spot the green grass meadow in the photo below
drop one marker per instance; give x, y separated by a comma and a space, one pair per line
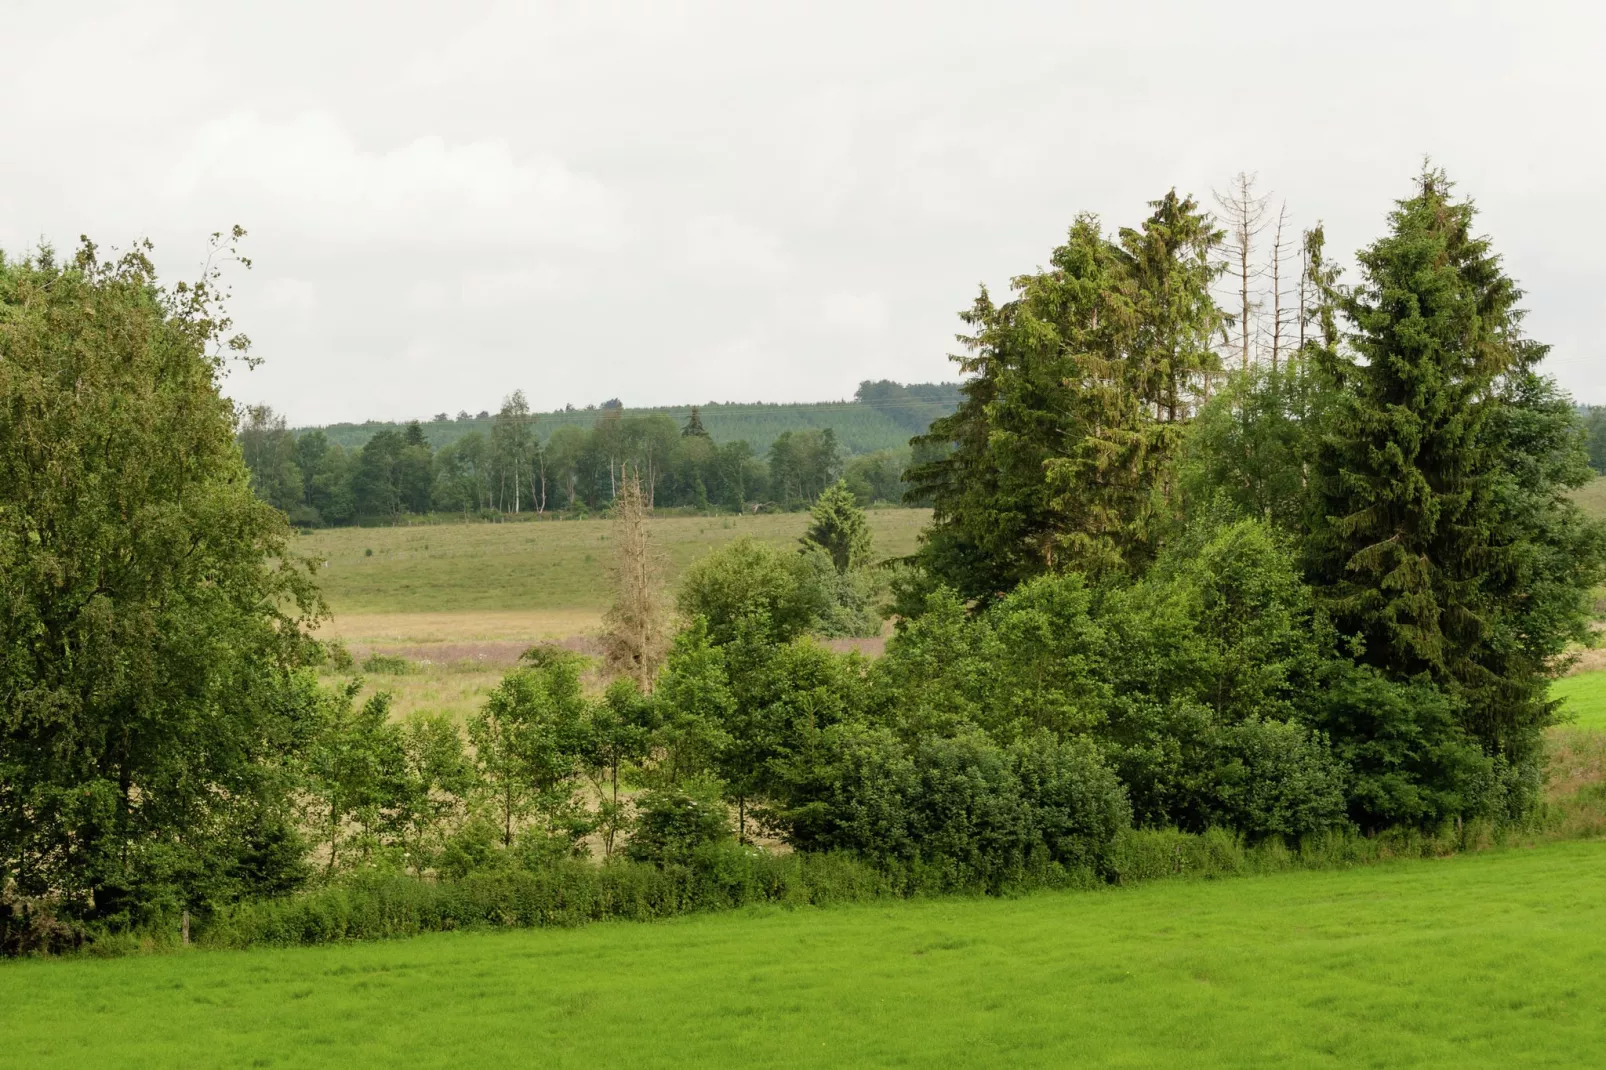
1583, 699
1491, 959
533, 565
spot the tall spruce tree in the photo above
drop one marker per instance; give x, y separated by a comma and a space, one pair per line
1443, 538
1059, 456
1139, 380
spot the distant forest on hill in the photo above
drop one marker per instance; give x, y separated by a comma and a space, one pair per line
881, 416
518, 461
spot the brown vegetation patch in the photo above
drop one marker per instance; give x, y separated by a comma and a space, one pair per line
1588, 661
872, 646
1575, 783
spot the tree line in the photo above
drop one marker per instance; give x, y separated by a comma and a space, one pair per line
1319, 594
513, 471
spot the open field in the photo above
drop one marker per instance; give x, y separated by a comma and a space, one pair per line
462, 601
436, 584
1483, 960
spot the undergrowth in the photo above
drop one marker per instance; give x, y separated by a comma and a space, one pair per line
377, 904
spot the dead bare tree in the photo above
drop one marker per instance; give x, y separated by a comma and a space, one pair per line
1244, 213
636, 627
1280, 245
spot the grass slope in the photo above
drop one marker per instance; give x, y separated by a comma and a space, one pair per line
533, 567
1483, 960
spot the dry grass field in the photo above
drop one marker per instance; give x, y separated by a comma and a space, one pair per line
1593, 497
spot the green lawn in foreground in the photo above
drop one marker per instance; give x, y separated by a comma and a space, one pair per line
548, 564
1484, 960
1583, 698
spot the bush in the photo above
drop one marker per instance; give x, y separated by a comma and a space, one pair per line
1278, 779
674, 823
1409, 761
955, 812
1080, 806
387, 664
338, 657
747, 578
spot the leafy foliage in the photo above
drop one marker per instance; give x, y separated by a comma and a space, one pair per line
154, 612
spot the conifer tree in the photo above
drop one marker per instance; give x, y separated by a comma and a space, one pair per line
840, 528
1061, 452
1443, 536
992, 519
1141, 377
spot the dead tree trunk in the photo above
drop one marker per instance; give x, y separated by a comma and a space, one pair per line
1245, 215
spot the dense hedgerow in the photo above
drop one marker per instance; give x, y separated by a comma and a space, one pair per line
376, 905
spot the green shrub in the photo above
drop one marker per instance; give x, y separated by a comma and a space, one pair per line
676, 822
1276, 778
959, 812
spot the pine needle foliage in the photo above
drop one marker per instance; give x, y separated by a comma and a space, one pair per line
1077, 395
839, 527
1443, 536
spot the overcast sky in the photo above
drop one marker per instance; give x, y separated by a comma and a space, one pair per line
675, 202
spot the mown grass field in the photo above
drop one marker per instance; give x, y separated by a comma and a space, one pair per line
1592, 497
1480, 960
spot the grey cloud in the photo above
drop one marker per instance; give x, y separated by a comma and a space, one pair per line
683, 201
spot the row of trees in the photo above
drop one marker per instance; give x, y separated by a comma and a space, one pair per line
1408, 454
1595, 430
513, 471
881, 415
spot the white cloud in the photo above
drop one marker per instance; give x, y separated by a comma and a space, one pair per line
298, 296
309, 172
724, 251
856, 313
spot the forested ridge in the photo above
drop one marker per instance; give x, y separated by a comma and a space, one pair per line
881, 415
1215, 572
718, 457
